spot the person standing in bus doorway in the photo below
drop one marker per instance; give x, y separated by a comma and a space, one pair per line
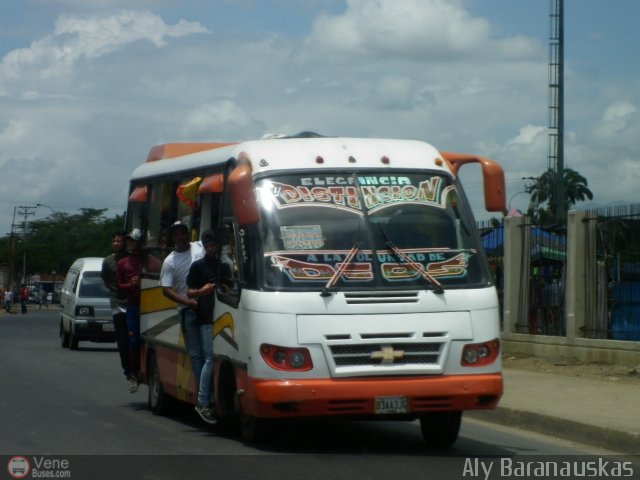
128, 281
117, 298
173, 280
24, 297
201, 285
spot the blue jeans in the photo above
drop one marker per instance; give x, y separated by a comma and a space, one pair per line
122, 340
133, 327
133, 331
198, 341
204, 391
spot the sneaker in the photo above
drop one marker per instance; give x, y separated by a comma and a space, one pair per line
206, 414
133, 385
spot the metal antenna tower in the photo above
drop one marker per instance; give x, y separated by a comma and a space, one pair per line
556, 105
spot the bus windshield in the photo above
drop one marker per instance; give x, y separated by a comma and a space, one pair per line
368, 230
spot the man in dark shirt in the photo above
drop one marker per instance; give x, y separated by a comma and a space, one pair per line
201, 284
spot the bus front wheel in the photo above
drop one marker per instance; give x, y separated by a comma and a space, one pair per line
440, 429
253, 429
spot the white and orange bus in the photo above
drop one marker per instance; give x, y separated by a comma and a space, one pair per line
360, 288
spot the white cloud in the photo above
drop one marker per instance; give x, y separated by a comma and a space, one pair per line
618, 118
14, 133
417, 29
411, 28
222, 119
528, 135
76, 38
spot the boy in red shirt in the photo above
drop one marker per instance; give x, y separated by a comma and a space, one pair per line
128, 281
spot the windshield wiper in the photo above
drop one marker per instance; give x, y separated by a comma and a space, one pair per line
412, 263
326, 291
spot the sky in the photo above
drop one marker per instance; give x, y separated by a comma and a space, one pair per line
87, 87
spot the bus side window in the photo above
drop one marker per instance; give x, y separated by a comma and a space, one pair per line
228, 249
159, 214
152, 259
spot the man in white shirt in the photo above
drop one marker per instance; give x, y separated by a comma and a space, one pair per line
173, 280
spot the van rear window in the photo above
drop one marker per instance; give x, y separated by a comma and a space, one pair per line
92, 286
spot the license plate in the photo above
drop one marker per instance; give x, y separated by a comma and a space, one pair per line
108, 327
391, 405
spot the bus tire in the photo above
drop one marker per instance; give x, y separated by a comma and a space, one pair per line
64, 336
226, 401
73, 340
159, 402
440, 429
253, 429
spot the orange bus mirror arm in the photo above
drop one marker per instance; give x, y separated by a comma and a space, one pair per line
492, 176
242, 194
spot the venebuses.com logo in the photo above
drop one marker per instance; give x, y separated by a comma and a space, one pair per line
18, 467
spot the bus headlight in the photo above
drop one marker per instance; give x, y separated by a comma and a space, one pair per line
480, 354
296, 359
286, 358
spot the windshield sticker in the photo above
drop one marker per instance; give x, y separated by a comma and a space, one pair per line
306, 237
454, 267
300, 271
377, 192
321, 266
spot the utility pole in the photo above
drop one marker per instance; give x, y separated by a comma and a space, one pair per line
12, 252
556, 107
25, 212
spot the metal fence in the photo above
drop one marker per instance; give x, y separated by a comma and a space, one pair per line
547, 278
492, 233
543, 291
614, 234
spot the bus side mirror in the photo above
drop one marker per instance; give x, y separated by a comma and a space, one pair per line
242, 194
492, 176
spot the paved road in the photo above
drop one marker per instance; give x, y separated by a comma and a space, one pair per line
61, 404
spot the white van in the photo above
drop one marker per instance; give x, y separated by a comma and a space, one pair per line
85, 311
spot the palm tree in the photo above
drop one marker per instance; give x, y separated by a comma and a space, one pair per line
576, 189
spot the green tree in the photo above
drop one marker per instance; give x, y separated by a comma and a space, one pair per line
54, 243
543, 193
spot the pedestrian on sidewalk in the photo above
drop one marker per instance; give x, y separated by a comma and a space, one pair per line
24, 297
43, 297
8, 299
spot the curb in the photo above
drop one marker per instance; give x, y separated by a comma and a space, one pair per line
616, 440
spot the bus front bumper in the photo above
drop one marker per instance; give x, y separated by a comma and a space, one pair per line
364, 396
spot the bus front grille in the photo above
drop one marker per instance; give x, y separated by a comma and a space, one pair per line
366, 354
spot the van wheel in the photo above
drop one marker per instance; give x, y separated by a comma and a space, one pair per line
73, 340
64, 336
440, 429
159, 402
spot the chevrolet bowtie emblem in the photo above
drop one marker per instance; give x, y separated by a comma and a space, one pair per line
387, 355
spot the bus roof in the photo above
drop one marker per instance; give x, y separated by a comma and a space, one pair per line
295, 154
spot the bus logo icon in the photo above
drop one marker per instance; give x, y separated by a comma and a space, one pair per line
18, 467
